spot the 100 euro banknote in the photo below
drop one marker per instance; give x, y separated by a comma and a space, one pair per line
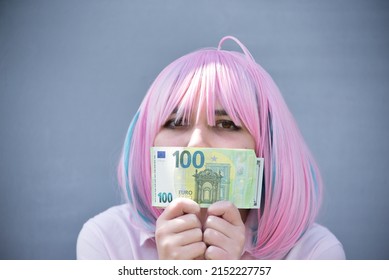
206, 175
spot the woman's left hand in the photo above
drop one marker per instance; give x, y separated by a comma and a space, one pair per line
224, 232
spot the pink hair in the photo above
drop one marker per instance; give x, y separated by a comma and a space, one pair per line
292, 184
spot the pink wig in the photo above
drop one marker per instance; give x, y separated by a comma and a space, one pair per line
292, 186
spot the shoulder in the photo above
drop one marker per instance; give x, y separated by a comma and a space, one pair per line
114, 216
317, 243
110, 235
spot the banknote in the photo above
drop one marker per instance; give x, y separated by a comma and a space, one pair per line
206, 175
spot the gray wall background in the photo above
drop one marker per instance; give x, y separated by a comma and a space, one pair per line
72, 74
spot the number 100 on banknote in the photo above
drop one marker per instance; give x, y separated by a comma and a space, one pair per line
206, 175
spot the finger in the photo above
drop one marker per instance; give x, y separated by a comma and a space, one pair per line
188, 252
184, 222
224, 235
189, 236
233, 245
213, 237
169, 245
219, 224
216, 253
179, 207
177, 225
193, 251
171, 241
227, 211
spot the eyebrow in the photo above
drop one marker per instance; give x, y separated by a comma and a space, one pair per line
220, 113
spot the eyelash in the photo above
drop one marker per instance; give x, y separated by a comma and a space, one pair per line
174, 123
231, 125
178, 123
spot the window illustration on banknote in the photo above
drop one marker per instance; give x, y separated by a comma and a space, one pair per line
212, 184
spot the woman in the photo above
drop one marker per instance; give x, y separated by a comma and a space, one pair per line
219, 99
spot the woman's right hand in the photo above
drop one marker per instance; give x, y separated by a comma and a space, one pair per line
179, 232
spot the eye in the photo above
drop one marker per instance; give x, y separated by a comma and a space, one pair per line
174, 123
227, 124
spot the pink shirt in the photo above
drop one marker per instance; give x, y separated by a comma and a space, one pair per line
110, 235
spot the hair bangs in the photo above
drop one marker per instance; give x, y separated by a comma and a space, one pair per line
211, 79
